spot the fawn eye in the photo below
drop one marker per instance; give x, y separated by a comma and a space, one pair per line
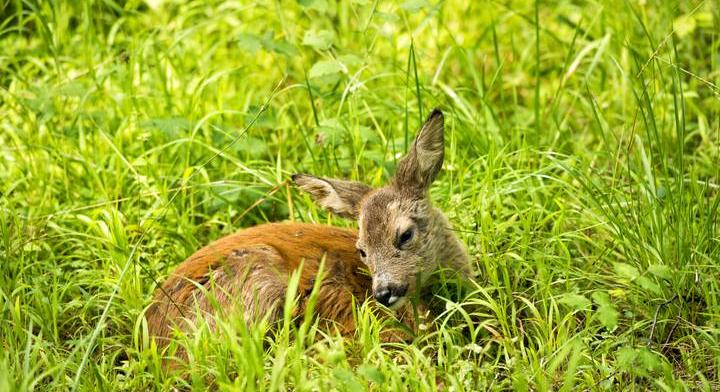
362, 253
405, 237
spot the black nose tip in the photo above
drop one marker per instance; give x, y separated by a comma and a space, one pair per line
383, 296
390, 294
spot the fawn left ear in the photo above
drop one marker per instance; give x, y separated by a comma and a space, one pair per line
419, 168
339, 196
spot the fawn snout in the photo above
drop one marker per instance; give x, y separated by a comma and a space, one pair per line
389, 293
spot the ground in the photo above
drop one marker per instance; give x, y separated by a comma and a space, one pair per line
582, 171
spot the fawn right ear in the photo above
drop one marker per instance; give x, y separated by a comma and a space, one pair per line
418, 169
339, 196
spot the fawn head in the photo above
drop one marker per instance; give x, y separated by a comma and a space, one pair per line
402, 238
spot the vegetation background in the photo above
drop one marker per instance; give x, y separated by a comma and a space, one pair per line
582, 171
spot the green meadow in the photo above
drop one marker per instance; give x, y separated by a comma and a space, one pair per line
582, 171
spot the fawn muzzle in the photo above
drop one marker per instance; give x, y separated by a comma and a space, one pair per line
390, 294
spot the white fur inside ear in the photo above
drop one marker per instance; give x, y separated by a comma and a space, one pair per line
323, 193
333, 202
428, 158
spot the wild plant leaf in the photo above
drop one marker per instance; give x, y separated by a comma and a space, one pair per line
281, 46
625, 358
371, 373
318, 5
350, 60
386, 17
375, 156
617, 293
606, 312
648, 284
348, 380
626, 270
249, 42
267, 118
320, 40
170, 126
684, 25
330, 131
75, 88
576, 301
601, 298
253, 146
608, 316
649, 360
704, 19
325, 68
641, 361
414, 5
368, 135
661, 271
42, 103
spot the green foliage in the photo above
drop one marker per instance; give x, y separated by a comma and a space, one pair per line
581, 170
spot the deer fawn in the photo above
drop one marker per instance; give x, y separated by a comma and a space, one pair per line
402, 240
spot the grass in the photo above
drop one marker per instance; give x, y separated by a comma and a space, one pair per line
581, 170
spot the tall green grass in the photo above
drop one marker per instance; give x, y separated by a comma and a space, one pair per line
582, 171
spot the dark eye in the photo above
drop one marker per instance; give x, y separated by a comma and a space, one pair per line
362, 253
405, 237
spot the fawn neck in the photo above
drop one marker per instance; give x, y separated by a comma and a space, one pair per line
450, 253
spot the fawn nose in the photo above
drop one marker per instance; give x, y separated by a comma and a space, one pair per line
389, 294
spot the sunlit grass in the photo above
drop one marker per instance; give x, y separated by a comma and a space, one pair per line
581, 171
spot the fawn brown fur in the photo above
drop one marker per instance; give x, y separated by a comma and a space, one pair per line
263, 257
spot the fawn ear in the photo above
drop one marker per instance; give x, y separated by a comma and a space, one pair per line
418, 169
339, 196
